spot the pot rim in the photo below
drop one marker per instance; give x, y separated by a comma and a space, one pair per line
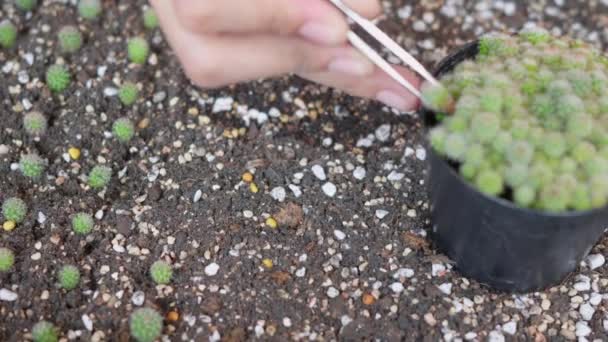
444, 66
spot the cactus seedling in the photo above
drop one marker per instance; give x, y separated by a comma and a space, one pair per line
99, 177
150, 18
530, 121
436, 97
7, 259
69, 277
128, 93
161, 272
14, 209
58, 78
82, 223
123, 130
70, 39
26, 5
35, 123
8, 34
31, 165
44, 331
146, 325
89, 9
138, 50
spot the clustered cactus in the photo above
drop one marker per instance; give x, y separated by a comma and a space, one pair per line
58, 78
69, 277
26, 5
8, 34
89, 9
138, 50
82, 223
150, 18
145, 324
161, 272
123, 129
35, 123
99, 177
14, 209
128, 93
70, 39
44, 331
32, 165
7, 259
527, 120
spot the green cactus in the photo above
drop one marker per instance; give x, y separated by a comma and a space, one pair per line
82, 223
44, 331
89, 9
490, 182
69, 277
26, 5
100, 176
150, 18
455, 146
436, 97
58, 78
35, 123
485, 127
8, 34
7, 259
32, 166
524, 195
437, 137
138, 50
517, 174
554, 197
583, 151
128, 93
146, 325
70, 39
14, 209
161, 272
554, 144
123, 130
520, 152
535, 35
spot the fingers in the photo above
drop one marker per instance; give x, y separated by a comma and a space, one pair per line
377, 86
315, 20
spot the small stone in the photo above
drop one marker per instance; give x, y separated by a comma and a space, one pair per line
339, 235
380, 213
582, 286
41, 217
278, 193
88, 324
395, 176
496, 336
430, 319
197, 196
7, 295
319, 172
404, 273
446, 288
297, 192
287, 322
421, 153
437, 269
509, 328
582, 329
3, 149
222, 104
586, 311
138, 298
359, 173
329, 189
74, 153
332, 292
212, 269
595, 261
383, 133
396, 287
9, 225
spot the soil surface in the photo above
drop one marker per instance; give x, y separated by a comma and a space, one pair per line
343, 177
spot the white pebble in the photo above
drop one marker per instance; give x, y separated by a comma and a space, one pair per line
88, 324
395, 176
138, 298
595, 260
339, 235
496, 336
383, 132
510, 328
223, 104
296, 190
332, 292
582, 329
197, 196
582, 286
396, 287
41, 217
329, 189
118, 248
287, 322
212, 269
380, 213
421, 154
586, 311
7, 295
301, 272
278, 193
3, 149
446, 288
404, 273
99, 214
319, 172
248, 213
359, 173
437, 269
366, 142
110, 91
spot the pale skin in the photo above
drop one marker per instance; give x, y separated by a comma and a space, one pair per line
221, 42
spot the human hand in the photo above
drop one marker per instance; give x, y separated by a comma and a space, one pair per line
220, 42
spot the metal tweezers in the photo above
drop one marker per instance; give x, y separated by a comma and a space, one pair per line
389, 44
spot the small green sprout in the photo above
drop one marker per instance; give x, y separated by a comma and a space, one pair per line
8, 34
89, 9
7, 259
128, 93
44, 331
58, 78
535, 35
138, 50
69, 277
26, 5
100, 176
123, 130
436, 97
14, 209
82, 223
32, 166
150, 18
161, 272
35, 123
70, 39
146, 325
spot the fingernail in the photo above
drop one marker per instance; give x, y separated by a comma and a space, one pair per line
351, 65
392, 99
321, 33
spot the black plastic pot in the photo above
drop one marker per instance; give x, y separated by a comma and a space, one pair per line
493, 241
